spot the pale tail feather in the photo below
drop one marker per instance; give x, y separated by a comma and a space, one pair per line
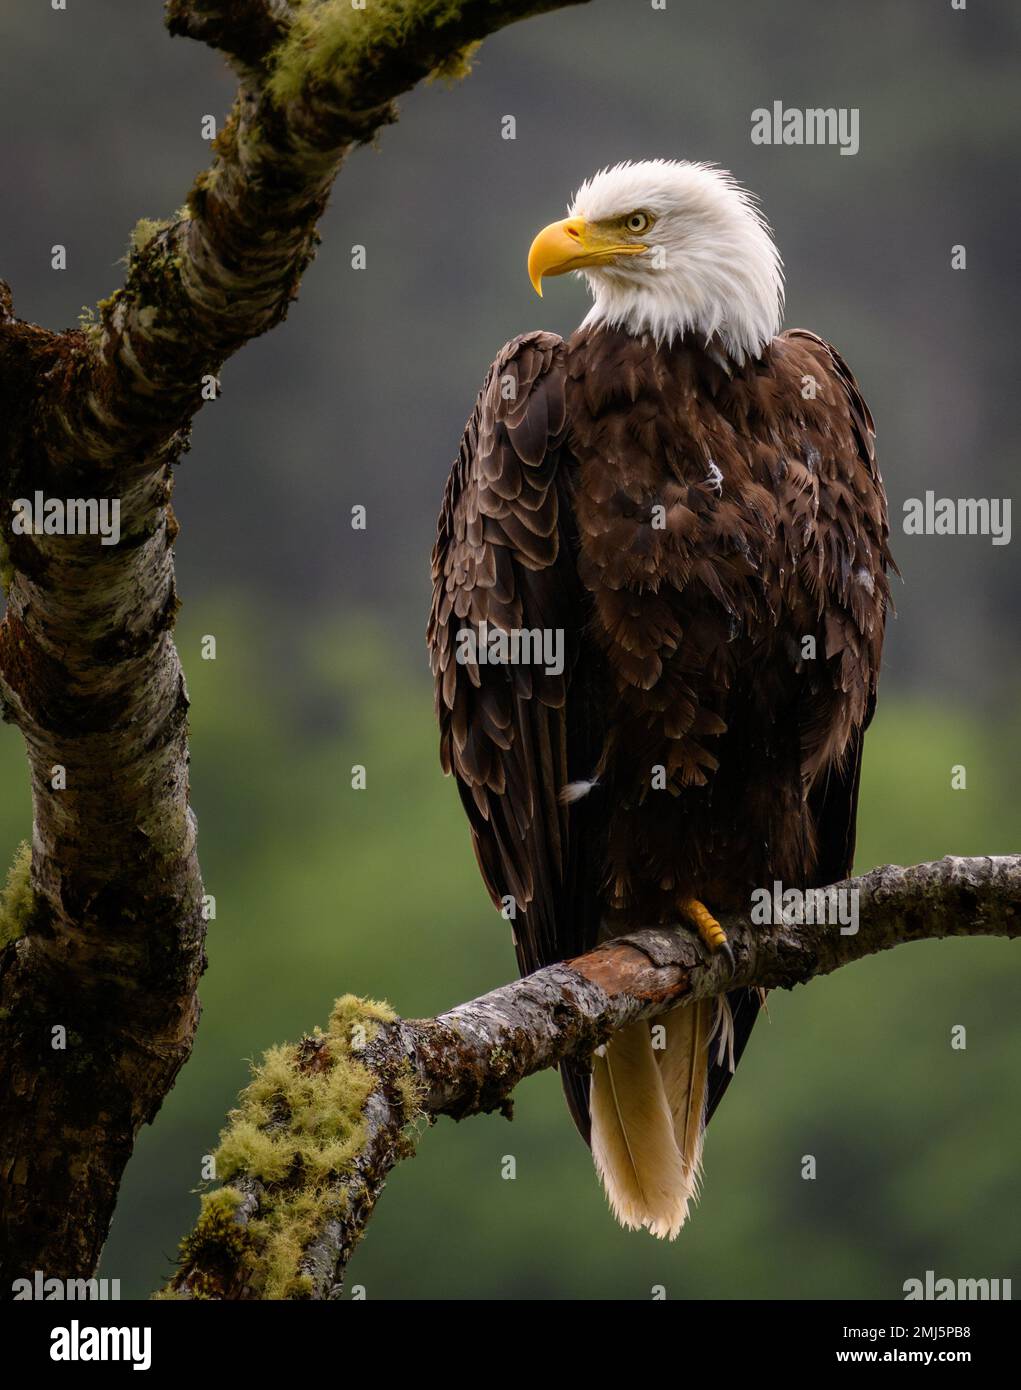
684, 1067
648, 1109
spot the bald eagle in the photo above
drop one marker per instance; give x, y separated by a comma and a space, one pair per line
690, 499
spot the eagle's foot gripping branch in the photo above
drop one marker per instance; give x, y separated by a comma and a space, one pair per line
709, 930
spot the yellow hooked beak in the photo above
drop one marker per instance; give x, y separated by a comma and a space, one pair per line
572, 244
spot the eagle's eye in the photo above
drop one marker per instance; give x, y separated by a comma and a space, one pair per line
638, 222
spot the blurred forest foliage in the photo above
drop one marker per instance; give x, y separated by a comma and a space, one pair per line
360, 398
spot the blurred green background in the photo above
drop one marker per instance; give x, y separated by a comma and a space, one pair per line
360, 398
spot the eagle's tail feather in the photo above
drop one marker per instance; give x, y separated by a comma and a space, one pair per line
648, 1117
684, 1067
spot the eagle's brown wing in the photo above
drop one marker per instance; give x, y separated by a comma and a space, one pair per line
835, 555
847, 576
504, 555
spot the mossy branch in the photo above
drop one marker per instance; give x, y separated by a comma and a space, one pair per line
104, 935
317, 78
17, 899
323, 1123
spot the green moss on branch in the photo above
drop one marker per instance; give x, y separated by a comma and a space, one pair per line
17, 901
297, 1132
330, 39
458, 66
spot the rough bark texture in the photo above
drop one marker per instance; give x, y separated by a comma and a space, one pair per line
108, 943
469, 1060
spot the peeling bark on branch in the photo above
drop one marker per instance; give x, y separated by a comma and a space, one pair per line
111, 951
468, 1061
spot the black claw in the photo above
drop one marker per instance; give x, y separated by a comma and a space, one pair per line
725, 950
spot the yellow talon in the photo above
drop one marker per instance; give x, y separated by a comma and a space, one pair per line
704, 922
707, 926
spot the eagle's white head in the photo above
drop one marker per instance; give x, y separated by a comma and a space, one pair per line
669, 247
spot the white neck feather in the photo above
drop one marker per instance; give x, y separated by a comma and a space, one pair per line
712, 269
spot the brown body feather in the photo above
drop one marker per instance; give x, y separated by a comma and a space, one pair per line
688, 524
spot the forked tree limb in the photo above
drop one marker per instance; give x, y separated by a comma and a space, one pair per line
100, 963
316, 80
469, 1060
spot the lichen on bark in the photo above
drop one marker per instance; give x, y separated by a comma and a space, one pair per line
330, 38
291, 1145
17, 899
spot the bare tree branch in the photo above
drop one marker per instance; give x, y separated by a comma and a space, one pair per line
101, 940
288, 1222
